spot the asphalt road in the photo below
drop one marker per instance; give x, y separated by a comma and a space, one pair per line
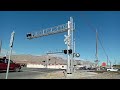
28, 73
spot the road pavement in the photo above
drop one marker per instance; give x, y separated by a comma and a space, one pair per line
28, 73
44, 73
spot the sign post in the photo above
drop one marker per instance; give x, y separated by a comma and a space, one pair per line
11, 45
0, 46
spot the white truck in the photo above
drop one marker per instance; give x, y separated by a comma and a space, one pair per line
112, 69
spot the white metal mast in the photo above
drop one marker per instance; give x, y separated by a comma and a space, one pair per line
72, 42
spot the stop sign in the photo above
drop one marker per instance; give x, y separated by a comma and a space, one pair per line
103, 64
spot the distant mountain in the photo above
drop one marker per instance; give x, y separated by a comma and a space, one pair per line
43, 59
37, 59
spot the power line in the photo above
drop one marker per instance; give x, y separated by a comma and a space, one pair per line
94, 29
88, 23
102, 46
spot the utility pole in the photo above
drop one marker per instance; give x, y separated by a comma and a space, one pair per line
96, 48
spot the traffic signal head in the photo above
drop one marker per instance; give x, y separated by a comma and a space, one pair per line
65, 51
28, 35
70, 51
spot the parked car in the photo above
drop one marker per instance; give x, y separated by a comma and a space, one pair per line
13, 66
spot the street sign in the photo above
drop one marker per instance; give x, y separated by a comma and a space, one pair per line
11, 45
12, 39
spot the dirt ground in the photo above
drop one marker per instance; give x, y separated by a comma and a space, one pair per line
81, 75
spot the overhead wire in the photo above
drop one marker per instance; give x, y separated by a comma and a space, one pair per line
94, 29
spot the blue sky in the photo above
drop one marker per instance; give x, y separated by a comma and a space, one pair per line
106, 22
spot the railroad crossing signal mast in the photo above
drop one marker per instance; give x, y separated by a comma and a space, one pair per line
68, 27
